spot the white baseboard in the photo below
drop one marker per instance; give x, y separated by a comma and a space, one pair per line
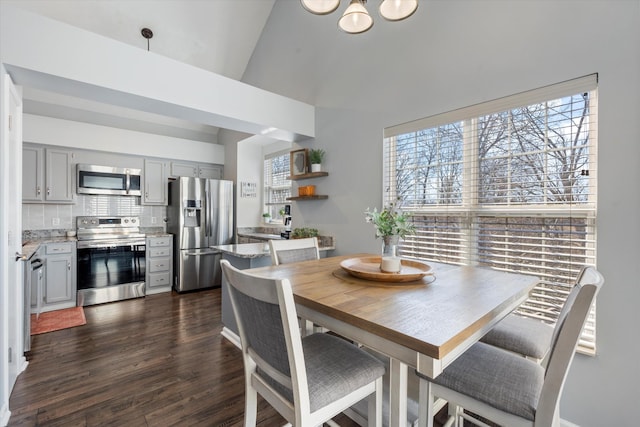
565, 423
5, 414
231, 336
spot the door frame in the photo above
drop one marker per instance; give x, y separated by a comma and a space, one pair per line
12, 360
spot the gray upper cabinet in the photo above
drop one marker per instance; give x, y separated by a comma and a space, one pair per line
32, 174
180, 169
58, 176
49, 179
155, 183
210, 171
196, 170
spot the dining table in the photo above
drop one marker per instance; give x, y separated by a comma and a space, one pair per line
423, 324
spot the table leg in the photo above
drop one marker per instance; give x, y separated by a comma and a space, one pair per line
398, 393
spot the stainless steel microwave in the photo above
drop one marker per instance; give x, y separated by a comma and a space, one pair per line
94, 179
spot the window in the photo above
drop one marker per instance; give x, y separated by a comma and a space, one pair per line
509, 184
277, 186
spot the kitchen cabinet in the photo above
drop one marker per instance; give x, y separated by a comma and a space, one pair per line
32, 169
155, 183
196, 170
159, 269
46, 175
210, 171
60, 276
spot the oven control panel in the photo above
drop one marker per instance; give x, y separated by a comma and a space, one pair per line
93, 222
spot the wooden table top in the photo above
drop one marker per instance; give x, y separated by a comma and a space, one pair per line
430, 318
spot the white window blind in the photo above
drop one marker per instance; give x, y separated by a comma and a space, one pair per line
509, 184
277, 186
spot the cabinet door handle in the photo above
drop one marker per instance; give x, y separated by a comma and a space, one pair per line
38, 190
48, 191
68, 266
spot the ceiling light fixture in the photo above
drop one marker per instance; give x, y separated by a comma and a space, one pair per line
356, 19
320, 7
147, 34
397, 10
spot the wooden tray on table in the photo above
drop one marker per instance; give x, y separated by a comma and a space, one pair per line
368, 268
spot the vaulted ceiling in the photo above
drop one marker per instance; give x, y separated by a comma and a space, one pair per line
216, 35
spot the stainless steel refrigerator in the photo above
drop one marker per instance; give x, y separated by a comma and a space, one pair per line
200, 215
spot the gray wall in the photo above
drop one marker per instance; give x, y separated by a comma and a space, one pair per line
452, 54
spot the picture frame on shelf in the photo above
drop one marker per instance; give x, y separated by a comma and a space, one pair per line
299, 162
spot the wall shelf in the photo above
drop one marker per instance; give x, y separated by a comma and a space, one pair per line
315, 197
308, 175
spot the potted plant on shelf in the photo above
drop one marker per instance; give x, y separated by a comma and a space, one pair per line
266, 217
316, 155
392, 225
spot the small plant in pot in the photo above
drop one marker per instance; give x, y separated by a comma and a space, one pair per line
316, 155
266, 216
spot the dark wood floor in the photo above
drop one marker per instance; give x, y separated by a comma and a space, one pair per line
154, 361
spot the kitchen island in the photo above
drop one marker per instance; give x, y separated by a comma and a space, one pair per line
244, 256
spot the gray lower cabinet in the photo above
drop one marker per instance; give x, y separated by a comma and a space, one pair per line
60, 276
159, 264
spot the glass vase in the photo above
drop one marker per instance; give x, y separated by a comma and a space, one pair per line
390, 261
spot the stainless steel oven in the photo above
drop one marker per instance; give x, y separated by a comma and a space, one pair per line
111, 259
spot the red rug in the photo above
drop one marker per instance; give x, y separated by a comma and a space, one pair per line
56, 320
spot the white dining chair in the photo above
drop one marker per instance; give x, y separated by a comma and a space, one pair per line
506, 388
293, 250
287, 251
307, 380
526, 336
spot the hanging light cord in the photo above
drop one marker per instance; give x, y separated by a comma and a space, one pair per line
147, 34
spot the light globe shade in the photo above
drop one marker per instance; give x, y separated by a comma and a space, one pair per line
397, 10
320, 7
356, 19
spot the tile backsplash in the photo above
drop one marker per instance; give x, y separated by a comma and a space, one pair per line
37, 216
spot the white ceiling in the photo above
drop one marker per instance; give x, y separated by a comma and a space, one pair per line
216, 35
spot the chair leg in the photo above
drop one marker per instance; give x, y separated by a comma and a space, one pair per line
374, 415
425, 404
250, 406
454, 414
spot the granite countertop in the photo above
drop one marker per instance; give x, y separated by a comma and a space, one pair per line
158, 234
245, 250
29, 247
253, 250
263, 236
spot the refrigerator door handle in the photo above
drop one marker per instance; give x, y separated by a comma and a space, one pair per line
208, 209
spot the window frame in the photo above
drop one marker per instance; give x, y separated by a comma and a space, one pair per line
274, 208
470, 212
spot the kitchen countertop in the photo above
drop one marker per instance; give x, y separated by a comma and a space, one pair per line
158, 234
252, 250
263, 236
245, 250
29, 247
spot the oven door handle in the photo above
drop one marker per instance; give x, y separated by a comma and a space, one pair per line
101, 245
